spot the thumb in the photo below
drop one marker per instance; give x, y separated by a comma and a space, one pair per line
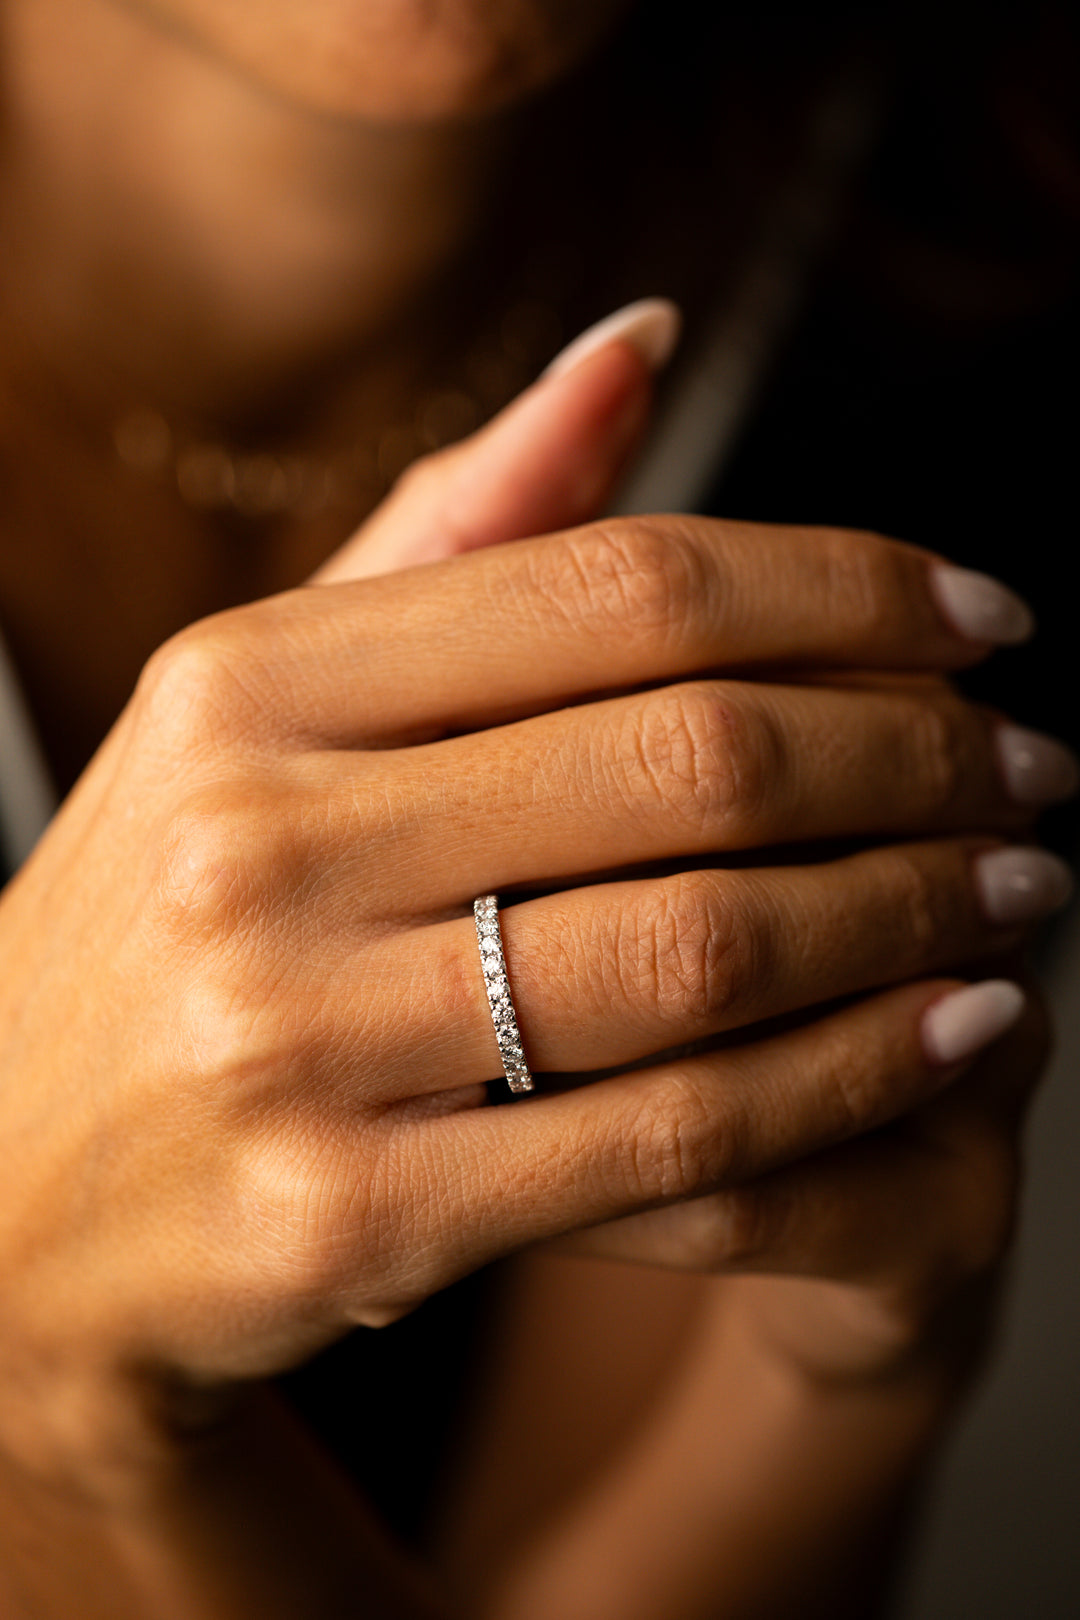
548, 461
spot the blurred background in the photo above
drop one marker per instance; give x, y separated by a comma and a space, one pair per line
900, 352
928, 389
1001, 1530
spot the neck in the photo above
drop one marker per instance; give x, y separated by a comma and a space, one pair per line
185, 238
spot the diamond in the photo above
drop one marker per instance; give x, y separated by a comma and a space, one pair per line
497, 986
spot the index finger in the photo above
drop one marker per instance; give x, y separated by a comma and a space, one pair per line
533, 625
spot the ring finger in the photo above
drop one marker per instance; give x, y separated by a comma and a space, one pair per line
615, 973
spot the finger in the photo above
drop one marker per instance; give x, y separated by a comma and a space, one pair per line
514, 629
551, 1164
910, 1208
549, 461
607, 976
1002, 1084
682, 771
876, 1212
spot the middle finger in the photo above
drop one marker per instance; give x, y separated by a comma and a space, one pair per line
703, 767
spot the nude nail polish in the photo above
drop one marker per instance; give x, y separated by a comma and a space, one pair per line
979, 607
1021, 885
651, 326
1037, 769
963, 1022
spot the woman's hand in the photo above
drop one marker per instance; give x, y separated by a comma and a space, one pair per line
863, 1262
894, 1228
244, 1026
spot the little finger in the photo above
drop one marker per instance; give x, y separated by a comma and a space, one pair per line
911, 1208
551, 1164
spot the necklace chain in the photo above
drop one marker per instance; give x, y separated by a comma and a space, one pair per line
260, 483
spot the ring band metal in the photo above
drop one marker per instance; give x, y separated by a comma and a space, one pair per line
503, 1016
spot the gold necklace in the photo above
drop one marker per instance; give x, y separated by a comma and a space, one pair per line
261, 483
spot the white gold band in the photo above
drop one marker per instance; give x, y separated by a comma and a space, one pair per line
489, 938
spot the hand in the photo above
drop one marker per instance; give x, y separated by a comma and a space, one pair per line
876, 1257
243, 1021
826, 1269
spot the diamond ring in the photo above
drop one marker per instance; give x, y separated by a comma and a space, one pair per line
489, 938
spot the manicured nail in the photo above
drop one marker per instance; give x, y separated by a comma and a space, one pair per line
1020, 885
651, 326
980, 608
1037, 769
965, 1021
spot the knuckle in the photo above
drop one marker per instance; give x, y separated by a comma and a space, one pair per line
196, 688
229, 1033
721, 1231
744, 1223
922, 903
864, 578
938, 741
205, 867
375, 1314
698, 957
692, 754
221, 858
631, 576
741, 755
328, 1223
279, 1197
678, 1146
854, 1083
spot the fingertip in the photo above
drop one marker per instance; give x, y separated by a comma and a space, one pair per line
979, 607
1037, 770
1017, 885
651, 326
963, 1022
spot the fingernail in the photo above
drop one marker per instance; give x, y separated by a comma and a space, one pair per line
1037, 769
967, 1020
1019, 885
651, 326
980, 608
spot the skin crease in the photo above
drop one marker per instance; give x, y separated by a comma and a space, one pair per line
217, 1202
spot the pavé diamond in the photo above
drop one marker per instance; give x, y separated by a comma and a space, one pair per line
497, 985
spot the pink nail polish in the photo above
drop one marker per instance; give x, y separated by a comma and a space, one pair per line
963, 1022
1021, 885
651, 326
980, 607
1037, 769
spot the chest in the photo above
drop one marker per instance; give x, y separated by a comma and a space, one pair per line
99, 566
